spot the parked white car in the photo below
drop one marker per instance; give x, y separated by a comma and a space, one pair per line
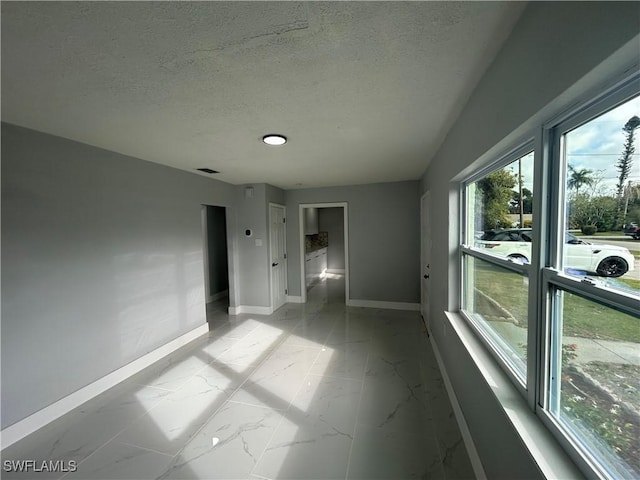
603, 260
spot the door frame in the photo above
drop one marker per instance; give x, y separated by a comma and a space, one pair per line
205, 252
286, 280
345, 217
424, 267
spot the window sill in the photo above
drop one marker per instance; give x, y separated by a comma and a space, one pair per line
544, 449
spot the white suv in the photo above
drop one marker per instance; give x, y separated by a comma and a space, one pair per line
604, 260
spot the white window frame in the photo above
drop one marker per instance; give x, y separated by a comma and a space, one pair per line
544, 270
523, 269
552, 276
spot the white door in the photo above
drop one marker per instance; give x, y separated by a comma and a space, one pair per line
425, 257
277, 256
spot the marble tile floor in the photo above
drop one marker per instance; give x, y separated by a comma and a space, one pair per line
314, 391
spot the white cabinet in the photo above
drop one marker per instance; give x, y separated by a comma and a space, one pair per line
315, 265
322, 260
310, 221
308, 267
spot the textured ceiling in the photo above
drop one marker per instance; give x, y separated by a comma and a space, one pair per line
365, 91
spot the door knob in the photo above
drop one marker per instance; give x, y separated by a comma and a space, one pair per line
426, 276
274, 264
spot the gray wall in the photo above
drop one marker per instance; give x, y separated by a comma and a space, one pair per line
384, 253
274, 195
253, 260
552, 58
331, 220
252, 263
217, 250
101, 263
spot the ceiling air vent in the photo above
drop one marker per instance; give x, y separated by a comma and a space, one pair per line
207, 170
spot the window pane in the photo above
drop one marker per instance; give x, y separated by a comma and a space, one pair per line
500, 210
496, 299
603, 199
595, 386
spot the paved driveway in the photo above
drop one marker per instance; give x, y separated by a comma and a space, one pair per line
626, 242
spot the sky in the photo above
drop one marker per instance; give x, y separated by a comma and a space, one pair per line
527, 171
596, 146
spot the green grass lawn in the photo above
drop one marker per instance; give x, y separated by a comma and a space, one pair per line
583, 318
600, 234
631, 282
504, 291
501, 296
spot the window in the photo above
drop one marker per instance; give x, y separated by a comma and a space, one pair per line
551, 272
594, 380
594, 356
602, 172
496, 300
495, 257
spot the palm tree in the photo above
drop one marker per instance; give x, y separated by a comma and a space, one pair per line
578, 178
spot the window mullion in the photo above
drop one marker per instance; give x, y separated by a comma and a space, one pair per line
521, 268
537, 319
618, 299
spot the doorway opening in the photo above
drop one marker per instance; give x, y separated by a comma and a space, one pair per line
324, 247
216, 263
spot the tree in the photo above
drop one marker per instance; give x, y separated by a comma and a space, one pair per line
598, 211
496, 190
631, 203
527, 201
634, 214
624, 165
578, 178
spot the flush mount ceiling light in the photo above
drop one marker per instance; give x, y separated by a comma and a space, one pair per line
274, 139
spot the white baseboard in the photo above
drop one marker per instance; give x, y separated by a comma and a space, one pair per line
414, 307
250, 310
476, 464
294, 299
218, 296
21, 429
337, 271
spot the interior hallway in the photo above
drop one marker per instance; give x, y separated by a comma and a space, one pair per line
314, 391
